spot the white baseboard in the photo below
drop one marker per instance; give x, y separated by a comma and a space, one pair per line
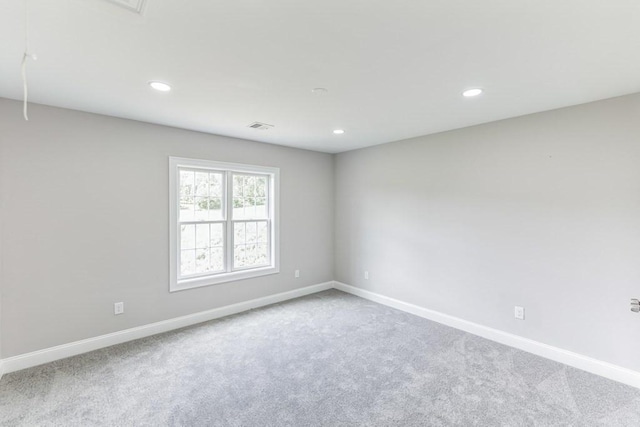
1, 368
594, 366
39, 357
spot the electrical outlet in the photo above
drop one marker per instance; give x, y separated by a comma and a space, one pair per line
519, 312
296, 273
635, 305
366, 275
118, 308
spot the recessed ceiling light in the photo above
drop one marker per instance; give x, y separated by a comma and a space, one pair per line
338, 131
319, 91
162, 87
471, 92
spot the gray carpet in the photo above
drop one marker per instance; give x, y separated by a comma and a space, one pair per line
329, 359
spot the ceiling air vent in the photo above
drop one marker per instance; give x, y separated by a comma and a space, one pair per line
260, 126
136, 6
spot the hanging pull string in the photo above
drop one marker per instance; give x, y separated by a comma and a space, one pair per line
26, 56
24, 81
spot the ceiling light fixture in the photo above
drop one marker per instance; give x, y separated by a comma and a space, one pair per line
471, 92
338, 131
162, 87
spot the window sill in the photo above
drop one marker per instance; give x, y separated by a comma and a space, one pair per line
217, 279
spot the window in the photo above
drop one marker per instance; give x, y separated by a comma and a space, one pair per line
224, 222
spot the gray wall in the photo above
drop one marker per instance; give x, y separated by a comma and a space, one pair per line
541, 211
65, 265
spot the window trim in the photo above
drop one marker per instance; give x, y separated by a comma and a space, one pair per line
176, 284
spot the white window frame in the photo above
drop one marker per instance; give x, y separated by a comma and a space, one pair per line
178, 284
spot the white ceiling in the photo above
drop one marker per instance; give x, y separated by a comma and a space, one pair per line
394, 69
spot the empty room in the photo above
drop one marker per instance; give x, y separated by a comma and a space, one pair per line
319, 213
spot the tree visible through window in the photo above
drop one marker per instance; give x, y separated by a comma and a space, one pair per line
223, 222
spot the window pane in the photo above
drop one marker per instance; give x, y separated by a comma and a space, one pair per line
203, 264
217, 259
249, 187
250, 247
238, 196
261, 208
238, 256
238, 182
208, 209
215, 185
187, 179
202, 209
261, 186
187, 262
239, 233
215, 209
202, 236
249, 209
186, 209
250, 255
238, 208
251, 232
217, 235
216, 194
187, 237
202, 184
262, 232
249, 196
186, 183
262, 254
